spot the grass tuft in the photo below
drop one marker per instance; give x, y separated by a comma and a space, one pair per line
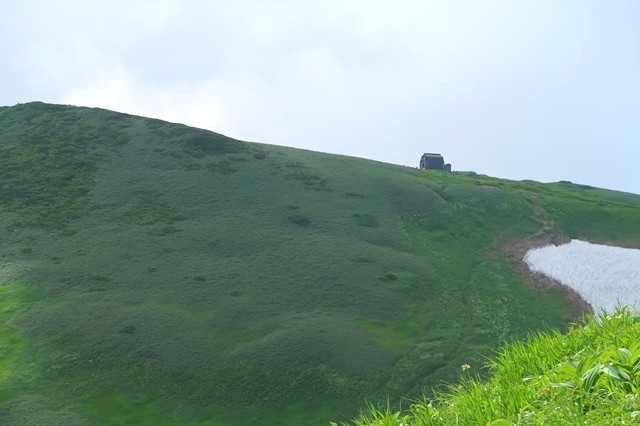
590, 375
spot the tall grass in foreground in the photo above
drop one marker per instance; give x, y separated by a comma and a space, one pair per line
590, 375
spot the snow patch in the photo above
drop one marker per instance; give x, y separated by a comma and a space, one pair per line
604, 276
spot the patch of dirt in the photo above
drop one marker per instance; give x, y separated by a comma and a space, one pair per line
578, 308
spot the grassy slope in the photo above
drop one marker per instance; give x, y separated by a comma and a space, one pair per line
590, 375
157, 273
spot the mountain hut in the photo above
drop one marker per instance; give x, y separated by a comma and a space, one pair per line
434, 162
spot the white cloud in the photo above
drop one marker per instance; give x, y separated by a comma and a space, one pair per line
197, 104
499, 87
153, 15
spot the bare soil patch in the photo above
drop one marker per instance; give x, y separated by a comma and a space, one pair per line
578, 308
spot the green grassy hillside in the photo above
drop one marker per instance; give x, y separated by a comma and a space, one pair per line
154, 273
588, 376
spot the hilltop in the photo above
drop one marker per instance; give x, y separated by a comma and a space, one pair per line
157, 273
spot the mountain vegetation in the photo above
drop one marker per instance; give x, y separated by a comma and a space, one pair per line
590, 376
153, 273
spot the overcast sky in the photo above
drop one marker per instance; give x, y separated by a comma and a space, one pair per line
521, 89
